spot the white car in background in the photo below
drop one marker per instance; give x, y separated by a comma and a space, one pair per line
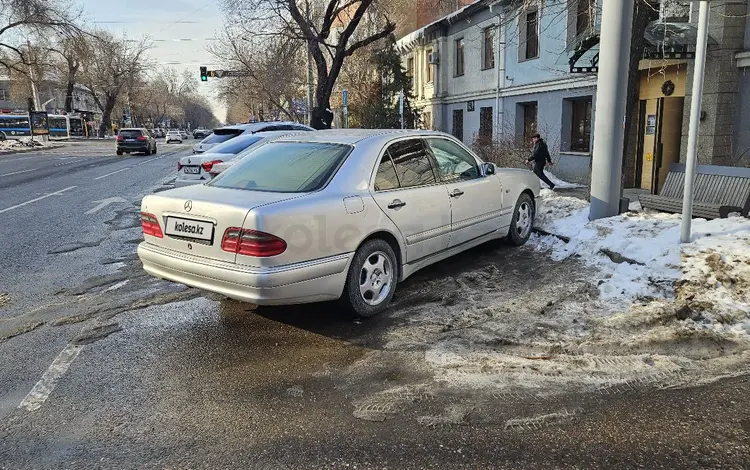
225, 133
173, 136
198, 169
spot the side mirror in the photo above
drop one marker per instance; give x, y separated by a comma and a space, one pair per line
488, 168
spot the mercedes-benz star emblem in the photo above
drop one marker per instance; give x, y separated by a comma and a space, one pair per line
188, 205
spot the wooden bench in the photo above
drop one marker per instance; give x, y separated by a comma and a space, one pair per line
719, 191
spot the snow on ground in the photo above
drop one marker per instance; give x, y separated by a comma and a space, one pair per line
559, 184
25, 143
621, 304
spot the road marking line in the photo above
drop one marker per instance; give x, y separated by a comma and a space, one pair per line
56, 193
19, 172
143, 163
42, 390
112, 173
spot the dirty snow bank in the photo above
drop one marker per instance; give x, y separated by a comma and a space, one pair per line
559, 184
620, 305
25, 143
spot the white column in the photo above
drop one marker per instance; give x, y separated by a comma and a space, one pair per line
695, 116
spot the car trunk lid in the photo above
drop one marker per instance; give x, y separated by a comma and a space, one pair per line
193, 219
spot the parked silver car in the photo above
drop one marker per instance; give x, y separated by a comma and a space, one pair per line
334, 214
198, 169
222, 134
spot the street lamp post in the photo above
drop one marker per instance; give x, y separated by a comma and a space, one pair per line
695, 115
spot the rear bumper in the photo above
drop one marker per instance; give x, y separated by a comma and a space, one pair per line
310, 281
133, 148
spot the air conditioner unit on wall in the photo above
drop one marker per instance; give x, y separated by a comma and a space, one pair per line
433, 58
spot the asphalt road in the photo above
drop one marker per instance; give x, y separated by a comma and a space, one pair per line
105, 367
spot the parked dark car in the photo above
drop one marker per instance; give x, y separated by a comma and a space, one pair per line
135, 140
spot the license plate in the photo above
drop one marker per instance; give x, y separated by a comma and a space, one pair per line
129, 140
192, 170
190, 228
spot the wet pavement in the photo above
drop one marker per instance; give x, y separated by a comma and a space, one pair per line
105, 367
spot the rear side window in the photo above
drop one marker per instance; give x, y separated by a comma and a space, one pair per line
385, 178
286, 167
130, 133
237, 145
413, 165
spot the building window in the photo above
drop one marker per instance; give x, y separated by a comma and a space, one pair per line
583, 16
580, 138
529, 119
428, 67
530, 35
410, 66
4, 94
459, 57
485, 124
427, 120
488, 49
458, 124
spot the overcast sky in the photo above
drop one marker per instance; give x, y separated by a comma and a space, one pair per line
169, 23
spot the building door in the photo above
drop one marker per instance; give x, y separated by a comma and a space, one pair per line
669, 138
660, 140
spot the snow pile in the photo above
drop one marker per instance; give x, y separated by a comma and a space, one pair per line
25, 143
620, 304
559, 184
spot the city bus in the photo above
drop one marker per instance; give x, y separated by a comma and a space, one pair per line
76, 126
59, 127
15, 126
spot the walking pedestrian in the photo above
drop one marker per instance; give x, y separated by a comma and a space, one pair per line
540, 157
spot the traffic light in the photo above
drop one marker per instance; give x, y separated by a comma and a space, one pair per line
204, 74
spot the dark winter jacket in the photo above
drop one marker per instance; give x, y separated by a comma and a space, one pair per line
540, 154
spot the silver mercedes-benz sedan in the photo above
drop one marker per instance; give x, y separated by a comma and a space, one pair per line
339, 214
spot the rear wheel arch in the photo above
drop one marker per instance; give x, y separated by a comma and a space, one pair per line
391, 239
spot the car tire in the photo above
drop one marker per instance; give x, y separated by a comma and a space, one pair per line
148, 151
522, 221
154, 149
119, 152
373, 270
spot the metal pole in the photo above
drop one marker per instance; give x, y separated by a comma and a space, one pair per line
611, 98
695, 116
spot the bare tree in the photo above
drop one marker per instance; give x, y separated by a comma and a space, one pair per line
110, 68
72, 49
21, 20
330, 29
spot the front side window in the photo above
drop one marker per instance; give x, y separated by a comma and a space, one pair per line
413, 165
286, 167
459, 57
454, 163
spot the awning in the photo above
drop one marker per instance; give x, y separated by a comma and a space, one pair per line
664, 40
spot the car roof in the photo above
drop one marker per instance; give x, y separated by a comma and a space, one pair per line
255, 126
353, 136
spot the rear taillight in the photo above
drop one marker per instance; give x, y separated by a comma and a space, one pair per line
150, 225
179, 166
252, 243
120, 138
208, 165
141, 137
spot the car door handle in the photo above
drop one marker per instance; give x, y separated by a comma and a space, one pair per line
456, 193
396, 204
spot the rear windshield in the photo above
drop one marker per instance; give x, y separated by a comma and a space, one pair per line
285, 167
236, 145
130, 133
221, 135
